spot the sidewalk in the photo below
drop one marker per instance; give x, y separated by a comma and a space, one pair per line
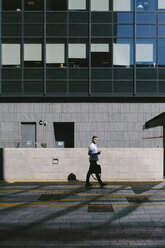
123, 214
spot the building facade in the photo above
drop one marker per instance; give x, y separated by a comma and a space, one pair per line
83, 68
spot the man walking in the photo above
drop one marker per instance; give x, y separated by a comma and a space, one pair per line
93, 158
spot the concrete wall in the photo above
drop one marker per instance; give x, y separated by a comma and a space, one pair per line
118, 125
117, 164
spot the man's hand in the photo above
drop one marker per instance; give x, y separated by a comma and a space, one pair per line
99, 152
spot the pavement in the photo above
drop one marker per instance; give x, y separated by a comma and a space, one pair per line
66, 214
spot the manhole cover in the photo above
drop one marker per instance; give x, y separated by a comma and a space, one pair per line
51, 197
137, 199
100, 208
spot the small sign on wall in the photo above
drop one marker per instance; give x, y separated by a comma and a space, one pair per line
55, 161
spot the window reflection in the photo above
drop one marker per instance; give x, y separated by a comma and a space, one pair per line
146, 52
12, 5
120, 17
123, 30
161, 52
145, 30
161, 31
146, 5
146, 17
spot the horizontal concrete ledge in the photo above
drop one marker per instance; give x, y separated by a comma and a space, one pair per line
55, 164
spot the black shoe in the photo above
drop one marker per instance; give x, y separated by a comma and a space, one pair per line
88, 185
103, 184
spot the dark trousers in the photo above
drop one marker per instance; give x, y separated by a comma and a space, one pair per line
93, 169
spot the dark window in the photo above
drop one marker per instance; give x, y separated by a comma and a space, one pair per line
101, 17
11, 17
123, 87
56, 5
11, 87
123, 73
78, 87
56, 87
64, 131
32, 5
11, 5
33, 88
100, 73
100, 87
146, 87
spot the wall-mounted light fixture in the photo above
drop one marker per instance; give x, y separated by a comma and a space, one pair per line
43, 123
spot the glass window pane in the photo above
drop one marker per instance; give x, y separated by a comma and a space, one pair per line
56, 17
161, 30
78, 30
56, 30
78, 87
55, 53
161, 87
120, 17
161, 52
77, 51
146, 30
146, 17
97, 5
146, 73
146, 52
98, 17
9, 17
77, 4
12, 5
102, 73
33, 30
123, 52
146, 87
33, 87
53, 87
122, 5
161, 17
10, 73
143, 5
123, 30
78, 17
161, 5
101, 30
11, 87
120, 73
32, 52
101, 87
31, 5
123, 87
79, 73
101, 55
56, 73
11, 30
11, 54
56, 5
33, 17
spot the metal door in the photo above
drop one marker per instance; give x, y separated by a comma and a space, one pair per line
28, 135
